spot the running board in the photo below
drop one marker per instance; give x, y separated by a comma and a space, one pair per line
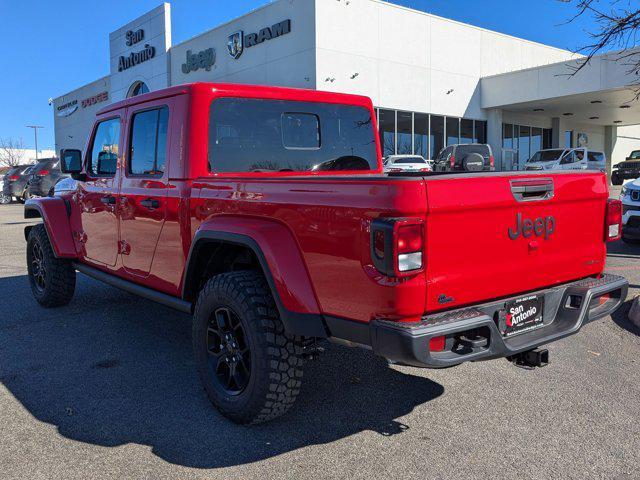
139, 290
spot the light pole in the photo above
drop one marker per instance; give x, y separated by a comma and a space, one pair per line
35, 133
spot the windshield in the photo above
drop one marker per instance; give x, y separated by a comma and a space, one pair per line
546, 156
409, 160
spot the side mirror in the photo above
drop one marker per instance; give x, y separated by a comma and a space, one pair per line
70, 161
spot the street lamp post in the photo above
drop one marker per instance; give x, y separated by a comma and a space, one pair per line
35, 133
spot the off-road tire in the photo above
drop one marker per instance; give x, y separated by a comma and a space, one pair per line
59, 278
276, 358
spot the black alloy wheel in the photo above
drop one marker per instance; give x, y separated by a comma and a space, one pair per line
229, 353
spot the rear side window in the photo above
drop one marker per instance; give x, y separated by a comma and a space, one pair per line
595, 156
103, 156
253, 135
148, 144
464, 150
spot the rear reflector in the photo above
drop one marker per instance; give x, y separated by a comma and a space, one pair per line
436, 344
492, 162
604, 299
452, 159
613, 220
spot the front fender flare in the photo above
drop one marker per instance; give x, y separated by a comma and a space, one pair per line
282, 263
55, 216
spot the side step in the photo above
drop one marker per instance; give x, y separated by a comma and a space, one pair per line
144, 292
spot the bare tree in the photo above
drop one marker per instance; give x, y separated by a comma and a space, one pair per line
618, 29
11, 152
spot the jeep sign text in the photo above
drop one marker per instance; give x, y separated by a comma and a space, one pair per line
527, 227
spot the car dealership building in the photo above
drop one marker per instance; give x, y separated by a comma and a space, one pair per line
434, 81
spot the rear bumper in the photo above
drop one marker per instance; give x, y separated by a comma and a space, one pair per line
567, 309
631, 225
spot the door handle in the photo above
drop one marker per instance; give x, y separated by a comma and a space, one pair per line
108, 200
150, 203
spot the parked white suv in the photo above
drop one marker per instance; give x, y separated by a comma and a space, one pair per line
566, 159
630, 197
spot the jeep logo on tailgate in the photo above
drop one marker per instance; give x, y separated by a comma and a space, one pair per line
527, 227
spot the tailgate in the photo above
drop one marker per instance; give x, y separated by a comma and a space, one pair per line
492, 236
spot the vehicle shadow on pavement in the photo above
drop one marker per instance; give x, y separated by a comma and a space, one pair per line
621, 318
112, 369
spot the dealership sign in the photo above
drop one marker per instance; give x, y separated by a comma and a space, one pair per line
99, 98
238, 41
195, 61
67, 109
135, 58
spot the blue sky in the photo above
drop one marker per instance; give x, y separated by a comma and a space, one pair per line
49, 48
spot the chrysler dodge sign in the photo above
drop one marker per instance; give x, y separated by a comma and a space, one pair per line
238, 41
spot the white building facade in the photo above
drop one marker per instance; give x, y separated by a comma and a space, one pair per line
434, 81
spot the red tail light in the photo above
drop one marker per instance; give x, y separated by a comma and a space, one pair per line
452, 160
395, 169
492, 162
43, 173
13, 178
436, 344
613, 221
425, 169
409, 243
409, 238
397, 246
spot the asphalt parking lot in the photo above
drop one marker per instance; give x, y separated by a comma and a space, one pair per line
107, 388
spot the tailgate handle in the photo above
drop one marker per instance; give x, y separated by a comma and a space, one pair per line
530, 190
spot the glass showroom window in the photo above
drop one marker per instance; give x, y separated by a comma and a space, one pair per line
536, 140
453, 131
405, 133
466, 131
436, 135
421, 134
480, 131
525, 140
387, 126
524, 143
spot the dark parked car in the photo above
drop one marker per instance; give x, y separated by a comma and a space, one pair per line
15, 182
468, 157
44, 177
629, 169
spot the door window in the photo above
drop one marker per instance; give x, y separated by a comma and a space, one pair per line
568, 158
148, 143
103, 156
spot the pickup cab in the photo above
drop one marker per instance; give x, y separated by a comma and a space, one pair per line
567, 159
265, 213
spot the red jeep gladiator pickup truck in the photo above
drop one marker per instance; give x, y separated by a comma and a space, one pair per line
264, 212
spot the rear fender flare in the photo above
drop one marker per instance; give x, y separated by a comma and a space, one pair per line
281, 261
54, 212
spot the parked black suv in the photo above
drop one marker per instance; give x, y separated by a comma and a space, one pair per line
629, 169
15, 182
468, 157
44, 177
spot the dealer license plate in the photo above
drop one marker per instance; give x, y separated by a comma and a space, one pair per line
522, 315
